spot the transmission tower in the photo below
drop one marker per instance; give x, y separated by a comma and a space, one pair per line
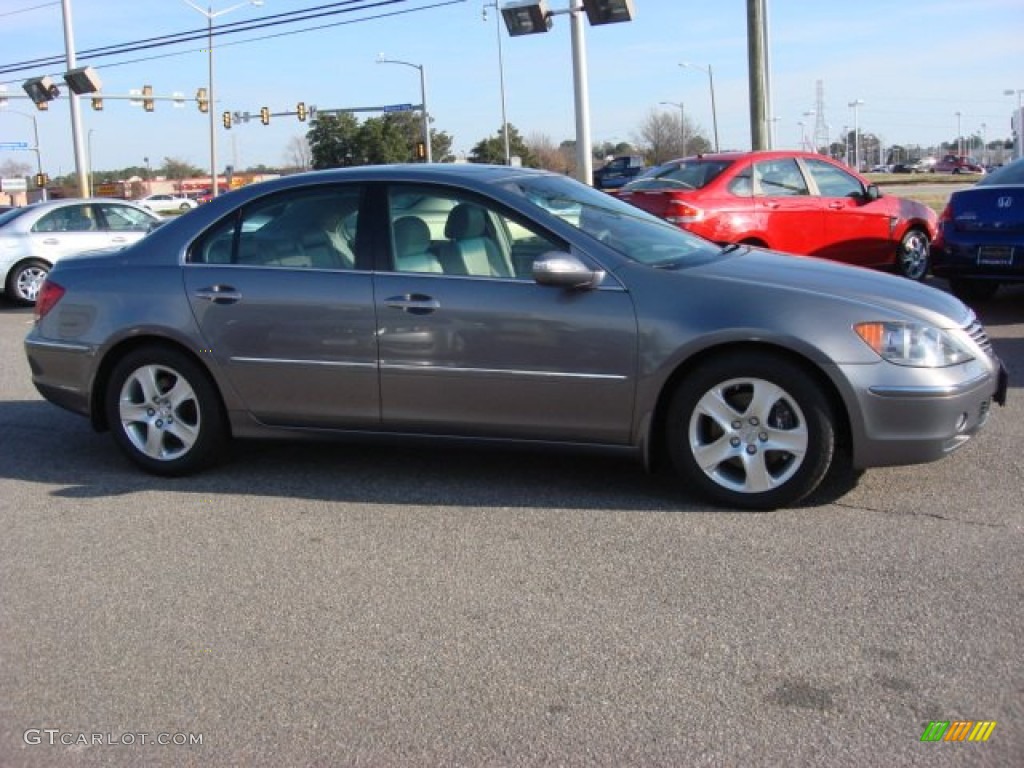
821, 137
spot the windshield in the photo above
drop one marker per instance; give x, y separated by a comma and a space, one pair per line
632, 232
692, 173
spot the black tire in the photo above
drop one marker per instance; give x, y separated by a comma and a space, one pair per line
25, 280
164, 412
913, 255
184, 207
969, 291
777, 423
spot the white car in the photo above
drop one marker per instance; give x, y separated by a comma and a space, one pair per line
33, 238
168, 203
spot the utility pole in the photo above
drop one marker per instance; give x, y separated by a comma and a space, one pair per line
756, 52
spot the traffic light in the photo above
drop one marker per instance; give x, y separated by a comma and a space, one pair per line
421, 150
42, 180
147, 98
97, 103
202, 100
227, 119
265, 115
300, 111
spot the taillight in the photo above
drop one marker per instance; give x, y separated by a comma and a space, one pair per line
49, 294
682, 212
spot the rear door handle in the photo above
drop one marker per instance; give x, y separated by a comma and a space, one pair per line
219, 294
413, 303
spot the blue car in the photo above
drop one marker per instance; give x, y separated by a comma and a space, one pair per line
980, 240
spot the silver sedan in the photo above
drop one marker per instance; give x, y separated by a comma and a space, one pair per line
34, 238
489, 303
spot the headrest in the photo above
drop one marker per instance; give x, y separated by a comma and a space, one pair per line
465, 221
412, 235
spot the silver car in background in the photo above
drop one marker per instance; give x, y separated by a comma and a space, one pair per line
35, 237
489, 303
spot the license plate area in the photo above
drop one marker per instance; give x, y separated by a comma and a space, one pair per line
995, 255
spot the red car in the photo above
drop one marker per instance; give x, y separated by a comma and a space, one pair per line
796, 202
957, 164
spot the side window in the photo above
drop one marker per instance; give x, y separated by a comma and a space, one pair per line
439, 231
308, 229
779, 178
72, 218
742, 184
121, 218
832, 181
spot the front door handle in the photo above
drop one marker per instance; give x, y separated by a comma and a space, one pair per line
219, 294
413, 303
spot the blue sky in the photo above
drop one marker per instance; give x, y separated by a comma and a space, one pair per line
915, 64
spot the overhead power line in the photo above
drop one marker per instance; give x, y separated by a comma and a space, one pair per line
275, 20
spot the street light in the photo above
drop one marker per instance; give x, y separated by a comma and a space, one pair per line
711, 84
682, 119
1018, 119
501, 80
423, 99
210, 15
88, 157
856, 104
805, 143
35, 134
529, 17
959, 141
803, 134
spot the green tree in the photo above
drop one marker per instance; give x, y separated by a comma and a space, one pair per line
492, 149
333, 140
179, 169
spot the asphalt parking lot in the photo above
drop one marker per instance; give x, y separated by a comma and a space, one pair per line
344, 605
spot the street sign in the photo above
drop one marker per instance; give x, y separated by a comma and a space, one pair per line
397, 108
13, 145
13, 185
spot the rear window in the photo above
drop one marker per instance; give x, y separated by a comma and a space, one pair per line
1008, 174
684, 174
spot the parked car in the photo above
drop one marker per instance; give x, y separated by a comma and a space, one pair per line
797, 202
543, 311
980, 241
618, 171
957, 164
35, 237
168, 203
911, 166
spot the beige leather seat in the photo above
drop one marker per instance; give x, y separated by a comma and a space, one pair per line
412, 246
469, 250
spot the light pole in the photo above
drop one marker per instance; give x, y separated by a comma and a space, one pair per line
803, 134
88, 153
806, 143
210, 15
856, 104
501, 80
711, 85
959, 141
35, 135
682, 120
1018, 120
423, 99
984, 146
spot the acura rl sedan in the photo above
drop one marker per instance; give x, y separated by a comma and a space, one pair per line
500, 304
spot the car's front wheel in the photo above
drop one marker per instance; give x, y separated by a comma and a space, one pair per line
185, 207
751, 431
913, 258
164, 412
25, 280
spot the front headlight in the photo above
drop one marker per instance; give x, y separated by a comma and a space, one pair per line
913, 344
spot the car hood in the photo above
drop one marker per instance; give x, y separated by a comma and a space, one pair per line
806, 274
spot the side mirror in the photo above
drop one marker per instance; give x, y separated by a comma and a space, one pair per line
565, 270
872, 193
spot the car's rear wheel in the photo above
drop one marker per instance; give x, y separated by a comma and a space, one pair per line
184, 207
25, 280
968, 290
913, 258
751, 431
164, 412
